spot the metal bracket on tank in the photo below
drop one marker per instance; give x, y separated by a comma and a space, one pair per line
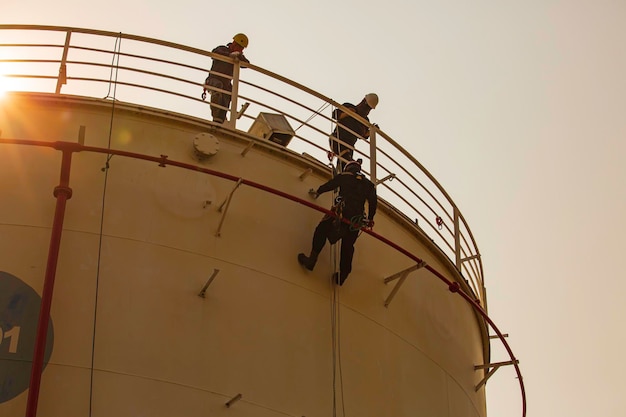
389, 177
243, 109
469, 258
247, 148
225, 205
81, 134
211, 278
401, 276
495, 367
305, 174
234, 400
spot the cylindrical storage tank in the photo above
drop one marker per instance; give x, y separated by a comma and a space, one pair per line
178, 293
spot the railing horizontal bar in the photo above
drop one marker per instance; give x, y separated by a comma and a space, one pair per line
423, 199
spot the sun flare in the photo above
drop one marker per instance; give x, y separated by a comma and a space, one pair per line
7, 84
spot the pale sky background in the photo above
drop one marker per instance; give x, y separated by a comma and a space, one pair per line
518, 108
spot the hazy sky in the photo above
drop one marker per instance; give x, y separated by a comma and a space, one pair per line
519, 110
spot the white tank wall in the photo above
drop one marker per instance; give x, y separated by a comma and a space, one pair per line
264, 328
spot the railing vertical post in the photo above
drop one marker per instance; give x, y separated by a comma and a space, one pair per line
234, 94
62, 79
373, 154
457, 239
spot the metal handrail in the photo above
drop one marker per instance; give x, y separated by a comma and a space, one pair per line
170, 76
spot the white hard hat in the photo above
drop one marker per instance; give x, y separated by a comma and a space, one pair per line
371, 99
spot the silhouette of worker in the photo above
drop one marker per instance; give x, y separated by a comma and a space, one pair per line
354, 191
220, 76
349, 129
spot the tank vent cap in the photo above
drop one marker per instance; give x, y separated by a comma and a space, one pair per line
205, 145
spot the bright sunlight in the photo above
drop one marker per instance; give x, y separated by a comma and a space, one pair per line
6, 84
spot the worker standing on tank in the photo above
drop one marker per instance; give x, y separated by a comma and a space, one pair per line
354, 191
349, 129
220, 76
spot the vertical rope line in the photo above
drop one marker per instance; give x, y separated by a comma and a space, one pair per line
335, 301
335, 318
336, 325
343, 404
114, 67
332, 336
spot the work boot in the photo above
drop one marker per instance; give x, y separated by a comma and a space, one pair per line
307, 261
339, 278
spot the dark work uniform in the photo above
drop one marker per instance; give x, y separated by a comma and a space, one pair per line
346, 136
221, 82
354, 190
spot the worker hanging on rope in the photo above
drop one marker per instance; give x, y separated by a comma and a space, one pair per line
349, 129
354, 191
220, 100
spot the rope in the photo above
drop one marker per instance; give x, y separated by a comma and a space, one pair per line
114, 64
335, 302
334, 293
338, 316
333, 344
335, 254
333, 324
116, 50
357, 223
315, 113
334, 127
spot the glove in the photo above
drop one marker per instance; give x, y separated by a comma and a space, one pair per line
235, 54
313, 193
369, 224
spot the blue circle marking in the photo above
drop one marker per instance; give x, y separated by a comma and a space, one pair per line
19, 314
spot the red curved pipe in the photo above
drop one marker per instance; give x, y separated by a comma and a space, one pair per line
68, 147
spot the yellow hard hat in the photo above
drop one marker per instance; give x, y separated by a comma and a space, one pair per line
371, 99
241, 40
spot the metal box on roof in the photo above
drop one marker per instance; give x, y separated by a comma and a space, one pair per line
273, 127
